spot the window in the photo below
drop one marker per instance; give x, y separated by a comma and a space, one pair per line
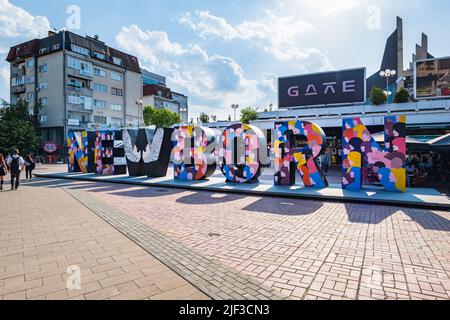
100, 88
84, 67
30, 63
17, 81
99, 55
80, 50
43, 118
30, 79
101, 104
117, 61
116, 107
73, 99
86, 102
30, 96
100, 119
43, 85
55, 47
43, 68
43, 101
116, 92
116, 76
116, 122
76, 84
99, 72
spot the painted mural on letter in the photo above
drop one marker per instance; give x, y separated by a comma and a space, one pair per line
192, 160
297, 146
239, 153
363, 158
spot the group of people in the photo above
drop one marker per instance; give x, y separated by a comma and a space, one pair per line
15, 164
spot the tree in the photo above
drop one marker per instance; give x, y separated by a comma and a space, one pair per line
249, 114
377, 96
17, 129
229, 118
402, 96
204, 118
161, 118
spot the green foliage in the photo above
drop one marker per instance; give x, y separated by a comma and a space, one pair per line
204, 118
249, 114
402, 96
17, 129
161, 118
377, 96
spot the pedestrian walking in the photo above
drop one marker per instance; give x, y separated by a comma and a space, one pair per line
16, 165
3, 170
30, 165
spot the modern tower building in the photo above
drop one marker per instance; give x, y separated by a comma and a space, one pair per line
79, 81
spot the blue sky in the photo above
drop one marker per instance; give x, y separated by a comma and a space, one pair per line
225, 52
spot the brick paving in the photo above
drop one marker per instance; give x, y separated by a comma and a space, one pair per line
44, 230
302, 249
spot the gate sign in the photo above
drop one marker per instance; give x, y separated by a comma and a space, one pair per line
326, 88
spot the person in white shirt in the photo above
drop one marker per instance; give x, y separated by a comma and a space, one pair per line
16, 164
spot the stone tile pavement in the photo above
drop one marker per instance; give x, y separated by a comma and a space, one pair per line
43, 231
302, 249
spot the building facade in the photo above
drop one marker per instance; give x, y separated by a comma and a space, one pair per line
80, 82
160, 96
152, 78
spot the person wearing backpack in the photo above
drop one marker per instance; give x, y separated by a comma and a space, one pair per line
3, 170
16, 165
29, 167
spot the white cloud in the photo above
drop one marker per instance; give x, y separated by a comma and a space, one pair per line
212, 80
16, 26
278, 36
16, 22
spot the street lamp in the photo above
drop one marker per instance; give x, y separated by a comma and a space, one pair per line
388, 73
139, 103
234, 107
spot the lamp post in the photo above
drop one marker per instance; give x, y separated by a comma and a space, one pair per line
139, 103
388, 73
234, 107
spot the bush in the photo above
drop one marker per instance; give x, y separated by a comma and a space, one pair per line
248, 114
204, 118
402, 96
377, 96
161, 118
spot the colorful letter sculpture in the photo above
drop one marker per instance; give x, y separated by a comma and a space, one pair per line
147, 151
298, 145
363, 157
239, 152
109, 153
193, 156
78, 146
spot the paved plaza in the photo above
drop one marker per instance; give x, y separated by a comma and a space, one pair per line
134, 242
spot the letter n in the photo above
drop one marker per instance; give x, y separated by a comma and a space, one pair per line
77, 143
364, 159
297, 146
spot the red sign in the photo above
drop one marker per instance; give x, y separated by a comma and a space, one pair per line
50, 147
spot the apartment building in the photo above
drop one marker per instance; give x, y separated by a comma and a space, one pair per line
161, 96
79, 81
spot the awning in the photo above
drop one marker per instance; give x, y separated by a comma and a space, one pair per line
440, 144
411, 143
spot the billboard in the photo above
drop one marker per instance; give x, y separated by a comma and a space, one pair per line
325, 88
432, 78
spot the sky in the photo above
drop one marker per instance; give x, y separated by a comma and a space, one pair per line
221, 53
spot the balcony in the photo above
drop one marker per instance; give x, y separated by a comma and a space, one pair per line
79, 90
78, 108
21, 88
78, 74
